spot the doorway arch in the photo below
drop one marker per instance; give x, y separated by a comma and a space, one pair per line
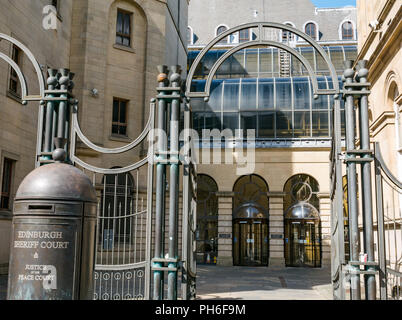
207, 220
302, 222
250, 221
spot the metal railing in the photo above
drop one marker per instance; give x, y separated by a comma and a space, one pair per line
389, 220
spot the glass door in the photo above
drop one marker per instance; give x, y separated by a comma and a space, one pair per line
302, 244
250, 243
296, 244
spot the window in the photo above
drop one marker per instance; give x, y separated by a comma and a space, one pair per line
14, 85
220, 30
311, 30
6, 184
244, 35
287, 35
56, 4
119, 124
347, 31
123, 28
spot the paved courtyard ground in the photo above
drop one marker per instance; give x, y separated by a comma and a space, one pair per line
259, 283
253, 283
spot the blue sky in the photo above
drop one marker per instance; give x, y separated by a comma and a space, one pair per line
333, 3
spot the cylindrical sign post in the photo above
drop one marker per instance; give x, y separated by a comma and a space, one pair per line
53, 236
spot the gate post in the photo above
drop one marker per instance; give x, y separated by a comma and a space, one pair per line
366, 158
157, 263
174, 181
354, 244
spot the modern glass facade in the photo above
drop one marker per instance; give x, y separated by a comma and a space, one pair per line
250, 92
274, 107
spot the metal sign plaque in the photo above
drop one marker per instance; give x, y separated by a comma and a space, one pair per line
42, 262
225, 236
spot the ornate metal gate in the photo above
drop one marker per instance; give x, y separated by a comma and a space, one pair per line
123, 244
125, 238
126, 203
374, 236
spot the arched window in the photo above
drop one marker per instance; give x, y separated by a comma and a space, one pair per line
250, 221
250, 189
311, 30
302, 222
347, 31
219, 30
286, 35
207, 220
392, 104
117, 205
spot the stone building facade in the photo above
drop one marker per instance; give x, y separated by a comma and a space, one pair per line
113, 47
379, 28
206, 18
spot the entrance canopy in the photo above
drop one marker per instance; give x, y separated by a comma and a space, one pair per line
302, 211
250, 211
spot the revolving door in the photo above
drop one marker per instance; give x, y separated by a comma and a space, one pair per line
302, 237
250, 247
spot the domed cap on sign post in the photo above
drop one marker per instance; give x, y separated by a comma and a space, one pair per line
57, 181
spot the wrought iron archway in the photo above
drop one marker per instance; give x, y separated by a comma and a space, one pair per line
262, 39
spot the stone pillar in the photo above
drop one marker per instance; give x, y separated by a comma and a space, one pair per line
225, 235
276, 230
325, 217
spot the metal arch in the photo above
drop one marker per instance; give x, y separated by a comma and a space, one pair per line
110, 171
227, 54
88, 143
260, 26
38, 70
384, 167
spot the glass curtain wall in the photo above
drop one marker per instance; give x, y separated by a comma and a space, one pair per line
274, 107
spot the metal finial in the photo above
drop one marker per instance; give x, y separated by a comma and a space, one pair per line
59, 154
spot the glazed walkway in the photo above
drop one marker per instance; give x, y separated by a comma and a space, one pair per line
259, 283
